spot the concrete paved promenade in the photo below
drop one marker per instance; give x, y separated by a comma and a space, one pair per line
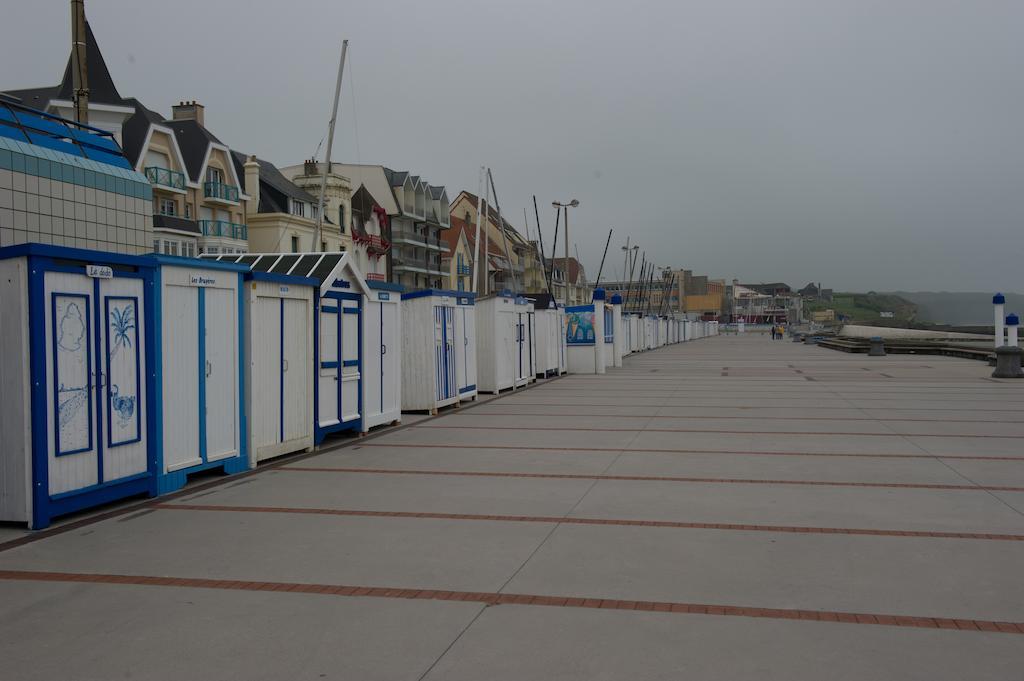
732, 508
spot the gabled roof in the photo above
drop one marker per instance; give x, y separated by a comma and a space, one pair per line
472, 198
575, 268
135, 130
397, 178
363, 204
435, 191
451, 236
194, 141
279, 188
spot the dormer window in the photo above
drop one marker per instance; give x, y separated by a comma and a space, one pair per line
214, 175
299, 208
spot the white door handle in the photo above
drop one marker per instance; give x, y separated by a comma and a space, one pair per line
209, 368
284, 365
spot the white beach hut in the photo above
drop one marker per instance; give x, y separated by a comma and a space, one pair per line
506, 342
200, 320
439, 347
550, 332
340, 351
279, 377
382, 348
75, 365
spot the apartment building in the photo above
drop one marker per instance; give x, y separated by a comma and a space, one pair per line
415, 216
196, 193
569, 273
521, 269
308, 176
281, 215
459, 257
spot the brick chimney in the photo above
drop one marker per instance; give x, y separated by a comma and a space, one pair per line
188, 111
311, 168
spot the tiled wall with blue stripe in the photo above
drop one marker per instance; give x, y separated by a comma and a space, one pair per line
47, 196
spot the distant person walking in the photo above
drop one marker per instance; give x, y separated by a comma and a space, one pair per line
773, 331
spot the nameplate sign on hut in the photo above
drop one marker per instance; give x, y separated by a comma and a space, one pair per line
99, 271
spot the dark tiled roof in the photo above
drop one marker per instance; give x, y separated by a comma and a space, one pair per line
451, 237
133, 133
35, 97
575, 269
193, 140
511, 231
101, 86
275, 188
435, 192
396, 178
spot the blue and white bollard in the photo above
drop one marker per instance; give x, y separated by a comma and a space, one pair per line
877, 347
1008, 357
999, 302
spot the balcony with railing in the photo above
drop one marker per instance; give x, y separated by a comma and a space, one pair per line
224, 229
408, 236
375, 245
411, 236
165, 178
218, 191
463, 269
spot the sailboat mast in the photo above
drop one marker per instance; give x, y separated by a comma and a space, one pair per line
330, 143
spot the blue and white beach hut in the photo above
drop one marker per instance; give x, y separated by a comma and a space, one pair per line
439, 349
77, 369
338, 331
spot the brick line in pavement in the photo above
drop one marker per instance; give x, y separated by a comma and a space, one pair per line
622, 522
493, 598
705, 403
745, 417
642, 450
442, 426
646, 478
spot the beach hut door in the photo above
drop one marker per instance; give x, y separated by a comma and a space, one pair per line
339, 377
444, 344
350, 386
390, 342
295, 367
95, 372
465, 349
221, 372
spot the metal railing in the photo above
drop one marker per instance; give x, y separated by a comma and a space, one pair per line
230, 230
220, 191
408, 234
165, 177
463, 269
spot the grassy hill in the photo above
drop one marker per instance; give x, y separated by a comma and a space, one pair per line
958, 309
866, 308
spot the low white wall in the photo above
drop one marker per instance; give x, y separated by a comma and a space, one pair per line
862, 331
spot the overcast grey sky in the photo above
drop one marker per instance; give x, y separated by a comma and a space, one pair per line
860, 143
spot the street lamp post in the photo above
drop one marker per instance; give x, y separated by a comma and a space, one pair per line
627, 266
565, 272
